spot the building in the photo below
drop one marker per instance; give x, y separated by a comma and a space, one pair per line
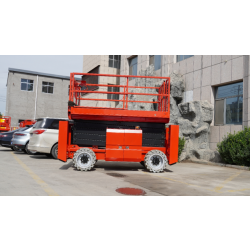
32, 95
102, 64
223, 80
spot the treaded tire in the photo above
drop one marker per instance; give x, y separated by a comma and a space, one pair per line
27, 151
89, 158
155, 161
54, 151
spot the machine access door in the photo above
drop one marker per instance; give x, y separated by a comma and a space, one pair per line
132, 145
123, 145
114, 144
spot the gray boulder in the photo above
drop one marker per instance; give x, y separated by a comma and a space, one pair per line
194, 118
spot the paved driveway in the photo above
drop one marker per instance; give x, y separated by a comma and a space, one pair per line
21, 174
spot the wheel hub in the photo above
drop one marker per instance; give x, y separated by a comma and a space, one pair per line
84, 159
155, 161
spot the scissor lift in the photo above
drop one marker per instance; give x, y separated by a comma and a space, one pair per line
5, 122
26, 122
118, 134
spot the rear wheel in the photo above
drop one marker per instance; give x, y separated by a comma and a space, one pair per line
84, 159
27, 150
54, 151
155, 161
17, 149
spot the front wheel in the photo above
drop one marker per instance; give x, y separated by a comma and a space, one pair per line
54, 151
84, 159
155, 161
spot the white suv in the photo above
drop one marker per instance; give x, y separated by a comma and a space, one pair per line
44, 136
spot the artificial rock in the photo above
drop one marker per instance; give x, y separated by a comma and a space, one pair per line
194, 118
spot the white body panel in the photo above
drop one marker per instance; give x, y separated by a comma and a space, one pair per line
44, 142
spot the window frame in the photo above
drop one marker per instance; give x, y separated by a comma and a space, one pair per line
48, 87
131, 66
91, 80
178, 60
27, 85
113, 89
113, 60
154, 61
225, 103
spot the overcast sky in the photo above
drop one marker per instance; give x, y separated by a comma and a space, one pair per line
60, 65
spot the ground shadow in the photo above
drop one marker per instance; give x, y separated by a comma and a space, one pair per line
67, 166
165, 170
19, 153
6, 150
119, 168
71, 165
75, 169
41, 156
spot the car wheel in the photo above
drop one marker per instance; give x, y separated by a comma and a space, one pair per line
28, 151
12, 148
54, 151
17, 149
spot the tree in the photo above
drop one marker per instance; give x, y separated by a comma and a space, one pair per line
1, 115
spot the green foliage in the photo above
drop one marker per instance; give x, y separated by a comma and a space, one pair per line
235, 148
181, 146
0, 114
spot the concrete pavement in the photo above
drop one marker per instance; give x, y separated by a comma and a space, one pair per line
21, 174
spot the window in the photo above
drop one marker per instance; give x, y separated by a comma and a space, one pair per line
54, 124
156, 61
113, 89
181, 58
48, 87
27, 85
133, 66
115, 62
91, 80
228, 104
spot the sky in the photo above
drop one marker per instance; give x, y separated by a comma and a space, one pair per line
58, 64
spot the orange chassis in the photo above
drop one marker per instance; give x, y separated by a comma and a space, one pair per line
121, 144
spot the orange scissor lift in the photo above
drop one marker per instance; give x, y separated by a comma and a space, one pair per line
5, 122
26, 122
118, 134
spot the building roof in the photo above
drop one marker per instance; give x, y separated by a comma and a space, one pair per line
40, 74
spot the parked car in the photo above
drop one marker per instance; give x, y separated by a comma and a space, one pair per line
21, 140
6, 137
44, 136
